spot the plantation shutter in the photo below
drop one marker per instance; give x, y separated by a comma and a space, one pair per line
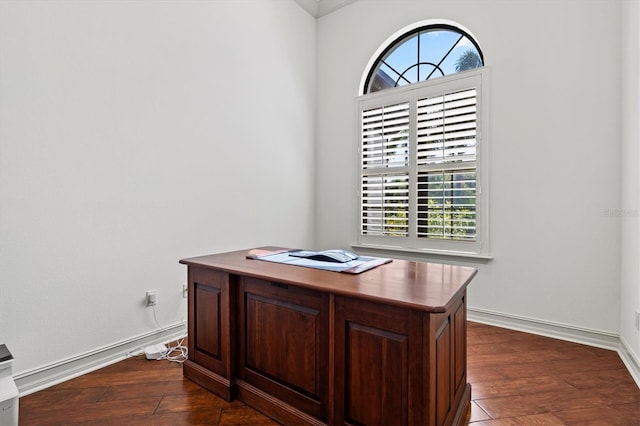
420, 182
446, 166
385, 173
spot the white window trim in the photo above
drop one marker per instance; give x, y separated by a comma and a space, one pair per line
401, 32
480, 249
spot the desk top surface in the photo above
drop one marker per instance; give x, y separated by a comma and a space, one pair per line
418, 285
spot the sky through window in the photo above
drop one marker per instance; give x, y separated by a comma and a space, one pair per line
425, 54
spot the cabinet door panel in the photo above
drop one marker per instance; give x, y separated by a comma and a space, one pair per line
376, 370
207, 325
284, 343
443, 373
209, 322
374, 358
450, 361
460, 347
281, 342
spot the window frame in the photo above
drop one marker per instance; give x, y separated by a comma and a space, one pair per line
405, 36
476, 78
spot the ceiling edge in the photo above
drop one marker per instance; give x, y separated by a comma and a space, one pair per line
311, 6
319, 8
327, 6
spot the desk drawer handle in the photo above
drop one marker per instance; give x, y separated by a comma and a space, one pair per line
284, 286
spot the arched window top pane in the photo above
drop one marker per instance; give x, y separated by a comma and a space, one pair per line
422, 54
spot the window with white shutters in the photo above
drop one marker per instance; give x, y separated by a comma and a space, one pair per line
423, 143
421, 182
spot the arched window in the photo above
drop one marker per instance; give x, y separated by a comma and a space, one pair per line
423, 144
424, 53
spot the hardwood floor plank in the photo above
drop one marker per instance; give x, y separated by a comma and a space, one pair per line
244, 416
617, 375
620, 394
559, 401
527, 359
196, 401
70, 396
546, 419
63, 413
118, 378
159, 389
507, 387
480, 373
585, 366
204, 418
513, 406
611, 415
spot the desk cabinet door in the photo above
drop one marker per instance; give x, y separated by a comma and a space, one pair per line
209, 320
373, 363
284, 343
449, 361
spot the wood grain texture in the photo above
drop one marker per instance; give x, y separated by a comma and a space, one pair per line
523, 379
417, 285
283, 342
517, 379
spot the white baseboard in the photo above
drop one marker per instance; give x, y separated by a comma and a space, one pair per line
630, 360
585, 336
58, 372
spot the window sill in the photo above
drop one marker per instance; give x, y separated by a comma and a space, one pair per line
438, 254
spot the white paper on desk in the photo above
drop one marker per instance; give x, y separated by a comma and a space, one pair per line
316, 264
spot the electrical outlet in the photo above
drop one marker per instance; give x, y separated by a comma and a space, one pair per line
152, 297
638, 320
185, 291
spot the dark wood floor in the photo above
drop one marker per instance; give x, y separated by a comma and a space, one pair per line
516, 378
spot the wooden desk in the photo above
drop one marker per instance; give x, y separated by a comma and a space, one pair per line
301, 345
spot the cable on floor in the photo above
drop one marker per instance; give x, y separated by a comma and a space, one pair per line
178, 353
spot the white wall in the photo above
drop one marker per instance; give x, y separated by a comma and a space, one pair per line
630, 211
554, 155
134, 134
